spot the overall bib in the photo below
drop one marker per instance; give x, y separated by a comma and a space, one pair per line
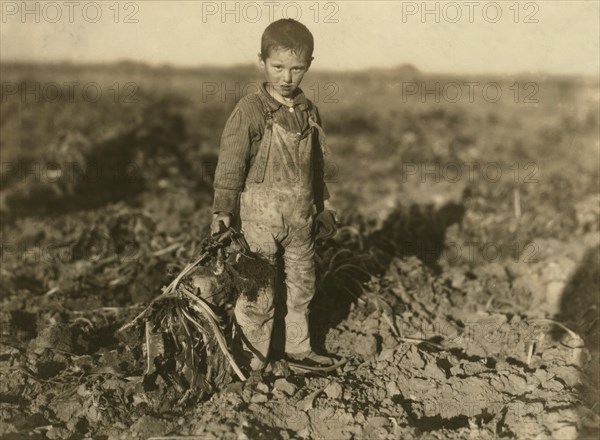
276, 211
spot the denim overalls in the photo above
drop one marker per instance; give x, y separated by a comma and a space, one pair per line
276, 210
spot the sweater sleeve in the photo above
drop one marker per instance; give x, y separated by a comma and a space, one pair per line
234, 157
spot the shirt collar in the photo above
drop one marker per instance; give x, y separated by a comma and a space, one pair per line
273, 105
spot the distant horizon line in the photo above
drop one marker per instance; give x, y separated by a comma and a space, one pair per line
173, 66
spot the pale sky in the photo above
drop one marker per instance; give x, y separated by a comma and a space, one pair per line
456, 37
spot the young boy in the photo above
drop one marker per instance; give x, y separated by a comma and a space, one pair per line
269, 177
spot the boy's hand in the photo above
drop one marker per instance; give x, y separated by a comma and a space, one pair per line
328, 206
220, 222
327, 222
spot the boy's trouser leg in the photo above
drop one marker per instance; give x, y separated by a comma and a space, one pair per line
299, 259
255, 318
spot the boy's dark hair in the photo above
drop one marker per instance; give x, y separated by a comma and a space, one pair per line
289, 34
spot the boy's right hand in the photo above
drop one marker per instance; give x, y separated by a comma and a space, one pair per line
220, 223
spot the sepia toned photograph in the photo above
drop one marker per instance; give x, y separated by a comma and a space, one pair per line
299, 219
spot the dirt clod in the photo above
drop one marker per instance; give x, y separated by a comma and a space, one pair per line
334, 390
258, 398
285, 386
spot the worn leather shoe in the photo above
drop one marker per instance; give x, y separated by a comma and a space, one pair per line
311, 359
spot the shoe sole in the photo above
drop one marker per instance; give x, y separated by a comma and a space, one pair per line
324, 369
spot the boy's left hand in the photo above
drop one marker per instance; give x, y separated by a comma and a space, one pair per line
326, 222
329, 206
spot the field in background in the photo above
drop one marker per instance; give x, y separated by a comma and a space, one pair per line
489, 185
403, 128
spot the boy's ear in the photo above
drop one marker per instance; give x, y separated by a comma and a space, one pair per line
310, 62
261, 62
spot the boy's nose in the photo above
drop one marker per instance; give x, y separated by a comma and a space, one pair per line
287, 76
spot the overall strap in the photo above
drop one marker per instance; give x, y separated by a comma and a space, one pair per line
267, 112
262, 157
312, 121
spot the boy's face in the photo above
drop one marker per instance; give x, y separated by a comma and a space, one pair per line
284, 70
